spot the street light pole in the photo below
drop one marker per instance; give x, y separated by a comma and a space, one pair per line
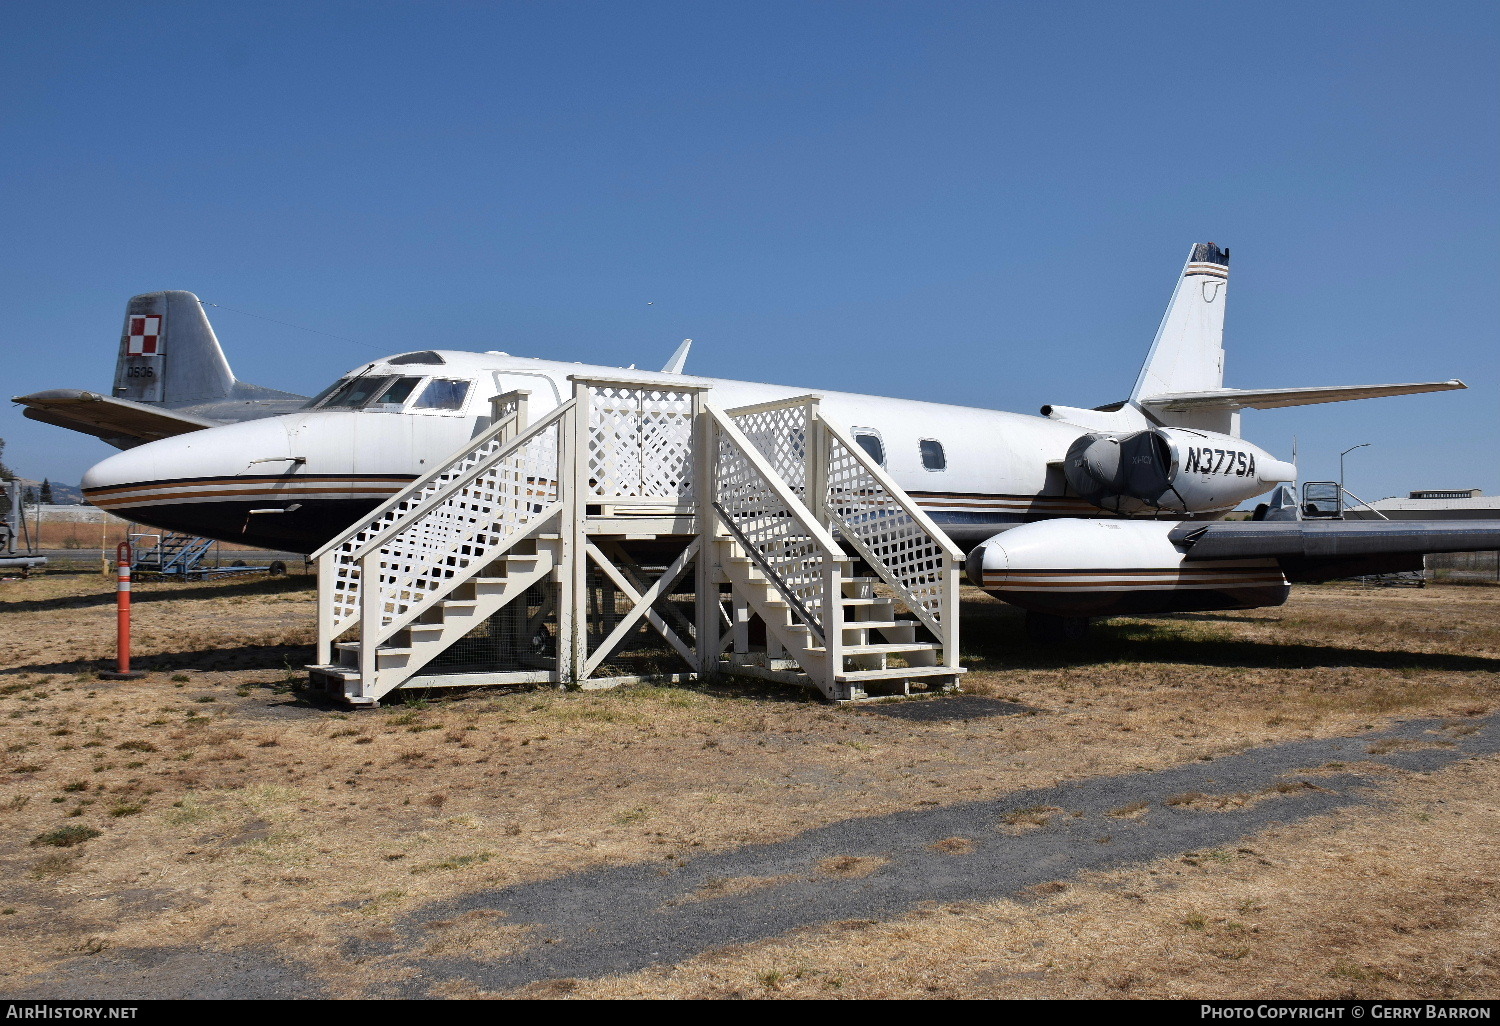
1346, 452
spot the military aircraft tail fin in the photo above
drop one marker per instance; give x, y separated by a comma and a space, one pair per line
169, 355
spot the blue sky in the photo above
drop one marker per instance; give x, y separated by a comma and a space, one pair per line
983, 203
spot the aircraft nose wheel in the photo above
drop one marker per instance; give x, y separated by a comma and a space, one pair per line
1050, 629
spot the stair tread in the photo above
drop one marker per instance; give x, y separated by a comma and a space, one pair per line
345, 672
863, 625
353, 646
890, 648
902, 671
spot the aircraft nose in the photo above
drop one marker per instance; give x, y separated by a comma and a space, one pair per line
157, 471
122, 468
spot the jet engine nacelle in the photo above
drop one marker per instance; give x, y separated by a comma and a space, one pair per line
1178, 470
1080, 568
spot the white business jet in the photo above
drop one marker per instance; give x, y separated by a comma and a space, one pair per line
1071, 514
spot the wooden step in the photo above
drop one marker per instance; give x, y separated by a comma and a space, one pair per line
344, 673
891, 648
860, 625
380, 650
898, 672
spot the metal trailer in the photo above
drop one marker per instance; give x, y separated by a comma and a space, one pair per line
185, 556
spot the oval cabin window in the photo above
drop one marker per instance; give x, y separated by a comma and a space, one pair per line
872, 445
933, 457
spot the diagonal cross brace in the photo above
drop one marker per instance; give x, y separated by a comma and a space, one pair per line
642, 603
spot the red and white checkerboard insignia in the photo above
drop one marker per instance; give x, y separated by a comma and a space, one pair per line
145, 336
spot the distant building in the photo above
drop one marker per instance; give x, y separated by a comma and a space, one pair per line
1431, 504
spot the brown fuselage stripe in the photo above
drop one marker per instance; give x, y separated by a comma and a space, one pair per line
281, 493
258, 481
1104, 585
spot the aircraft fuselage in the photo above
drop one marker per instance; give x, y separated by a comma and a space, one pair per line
295, 480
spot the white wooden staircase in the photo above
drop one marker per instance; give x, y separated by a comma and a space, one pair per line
770, 507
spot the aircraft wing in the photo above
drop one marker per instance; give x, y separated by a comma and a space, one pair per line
1271, 398
120, 422
1324, 549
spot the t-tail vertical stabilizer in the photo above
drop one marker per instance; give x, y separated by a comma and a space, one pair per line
1188, 352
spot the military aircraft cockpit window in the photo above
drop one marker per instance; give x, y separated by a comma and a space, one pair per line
871, 444
443, 394
356, 392
393, 397
425, 356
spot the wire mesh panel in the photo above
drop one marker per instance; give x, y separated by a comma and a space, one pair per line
473, 520
640, 443
899, 548
771, 528
519, 636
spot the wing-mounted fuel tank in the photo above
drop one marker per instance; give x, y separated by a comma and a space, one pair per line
1081, 568
1176, 470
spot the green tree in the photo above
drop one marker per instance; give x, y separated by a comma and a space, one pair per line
46, 492
5, 472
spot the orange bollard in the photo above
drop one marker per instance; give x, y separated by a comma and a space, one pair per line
124, 557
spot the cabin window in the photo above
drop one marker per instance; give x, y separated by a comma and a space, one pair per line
443, 394
933, 457
871, 443
356, 392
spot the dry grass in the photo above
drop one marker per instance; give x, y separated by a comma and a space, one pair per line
233, 814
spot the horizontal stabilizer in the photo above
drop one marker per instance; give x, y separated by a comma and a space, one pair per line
1271, 398
118, 421
1333, 539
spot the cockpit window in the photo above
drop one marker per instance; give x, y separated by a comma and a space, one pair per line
396, 394
443, 394
315, 400
355, 392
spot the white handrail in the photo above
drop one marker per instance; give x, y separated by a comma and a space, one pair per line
355, 557
470, 446
896, 492
794, 505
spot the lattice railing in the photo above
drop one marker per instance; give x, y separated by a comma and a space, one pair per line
640, 442
781, 534
856, 498
780, 432
466, 513
911, 555
401, 506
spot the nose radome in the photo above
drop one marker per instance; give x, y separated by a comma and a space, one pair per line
213, 452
